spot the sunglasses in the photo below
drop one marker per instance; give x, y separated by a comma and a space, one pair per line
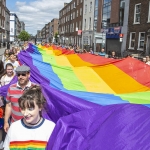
21, 74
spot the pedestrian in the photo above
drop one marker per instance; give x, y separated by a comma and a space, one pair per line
113, 55
5, 56
32, 131
144, 60
8, 75
12, 60
91, 51
147, 60
15, 91
8, 45
102, 53
1, 68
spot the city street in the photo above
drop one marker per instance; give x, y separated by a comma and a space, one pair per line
75, 74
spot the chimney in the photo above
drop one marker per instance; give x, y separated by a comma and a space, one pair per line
65, 4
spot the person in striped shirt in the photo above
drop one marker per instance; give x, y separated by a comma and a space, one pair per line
32, 132
15, 91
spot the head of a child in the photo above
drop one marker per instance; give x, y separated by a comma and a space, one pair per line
31, 104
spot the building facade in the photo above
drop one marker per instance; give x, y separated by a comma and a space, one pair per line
70, 23
88, 23
2, 20
7, 25
138, 40
114, 23
22, 26
15, 27
53, 29
43, 33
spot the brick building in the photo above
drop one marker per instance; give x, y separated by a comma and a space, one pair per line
2, 20
7, 25
114, 23
70, 23
138, 40
53, 29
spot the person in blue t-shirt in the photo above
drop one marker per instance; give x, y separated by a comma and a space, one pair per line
102, 53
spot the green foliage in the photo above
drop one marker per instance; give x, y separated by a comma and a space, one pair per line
24, 36
56, 37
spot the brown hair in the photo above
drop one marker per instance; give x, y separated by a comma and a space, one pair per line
33, 94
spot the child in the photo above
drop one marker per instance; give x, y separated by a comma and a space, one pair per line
33, 131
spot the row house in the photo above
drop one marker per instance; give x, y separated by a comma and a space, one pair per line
7, 26
110, 24
88, 24
15, 27
38, 35
95, 23
70, 23
53, 29
49, 31
22, 26
43, 33
138, 39
2, 20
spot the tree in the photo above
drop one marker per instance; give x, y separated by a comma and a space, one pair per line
24, 36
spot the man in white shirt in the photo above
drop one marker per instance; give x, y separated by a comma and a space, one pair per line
12, 60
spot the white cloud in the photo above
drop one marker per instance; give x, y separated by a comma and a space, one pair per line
37, 13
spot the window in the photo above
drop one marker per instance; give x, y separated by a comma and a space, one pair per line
77, 13
85, 9
70, 27
80, 25
74, 5
85, 24
149, 13
141, 40
105, 16
90, 23
80, 11
132, 40
137, 12
90, 6
68, 17
71, 16
73, 27
76, 26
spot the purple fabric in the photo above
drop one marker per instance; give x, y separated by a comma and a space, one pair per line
82, 125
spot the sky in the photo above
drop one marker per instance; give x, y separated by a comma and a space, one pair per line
35, 13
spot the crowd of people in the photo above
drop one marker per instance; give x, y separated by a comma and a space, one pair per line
110, 54
20, 110
21, 119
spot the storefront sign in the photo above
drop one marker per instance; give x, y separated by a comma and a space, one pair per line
113, 32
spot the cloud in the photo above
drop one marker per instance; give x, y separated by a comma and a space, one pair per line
37, 13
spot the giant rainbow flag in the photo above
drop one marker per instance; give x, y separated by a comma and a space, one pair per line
97, 103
